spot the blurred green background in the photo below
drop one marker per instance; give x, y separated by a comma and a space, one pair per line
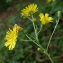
26, 52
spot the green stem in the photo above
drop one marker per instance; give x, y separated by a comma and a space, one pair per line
35, 29
36, 34
50, 58
40, 29
45, 52
38, 44
52, 34
32, 40
31, 36
25, 40
35, 42
33, 26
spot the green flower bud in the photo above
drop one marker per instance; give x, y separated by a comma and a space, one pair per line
38, 49
59, 14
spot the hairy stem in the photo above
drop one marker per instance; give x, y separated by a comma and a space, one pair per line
45, 52
52, 34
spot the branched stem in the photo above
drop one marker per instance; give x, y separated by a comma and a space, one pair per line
37, 40
40, 29
32, 41
50, 58
45, 52
35, 29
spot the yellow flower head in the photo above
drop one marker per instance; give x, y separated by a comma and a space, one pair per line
45, 19
32, 8
11, 37
49, 1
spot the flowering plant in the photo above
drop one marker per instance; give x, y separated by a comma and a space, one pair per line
44, 18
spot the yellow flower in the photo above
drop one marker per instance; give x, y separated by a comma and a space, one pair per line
11, 37
28, 11
45, 19
49, 1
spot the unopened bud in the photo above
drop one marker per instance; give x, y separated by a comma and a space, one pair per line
19, 28
38, 49
34, 19
59, 14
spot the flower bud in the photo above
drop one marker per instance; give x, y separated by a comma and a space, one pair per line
38, 49
34, 19
19, 28
59, 14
